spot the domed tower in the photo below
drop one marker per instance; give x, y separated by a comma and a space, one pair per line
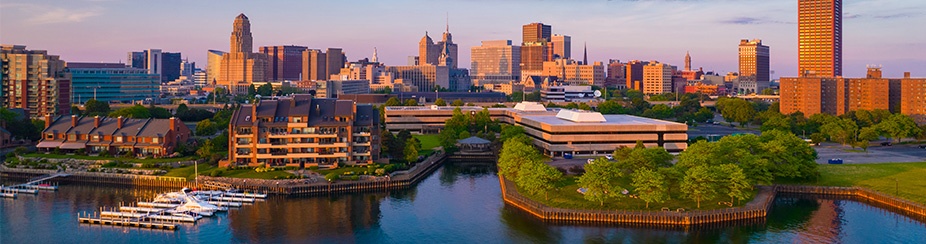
241, 40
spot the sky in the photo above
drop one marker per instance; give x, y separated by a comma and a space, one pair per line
889, 33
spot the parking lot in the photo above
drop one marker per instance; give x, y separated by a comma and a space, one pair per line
875, 154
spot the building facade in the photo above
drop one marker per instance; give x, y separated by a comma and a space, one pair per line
95, 135
536, 32
634, 76
303, 131
838, 95
657, 78
213, 65
495, 62
241, 66
754, 60
819, 35
333, 88
562, 46
111, 82
165, 64
285, 62
34, 81
574, 73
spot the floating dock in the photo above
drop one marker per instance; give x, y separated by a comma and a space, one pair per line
8, 195
125, 222
18, 190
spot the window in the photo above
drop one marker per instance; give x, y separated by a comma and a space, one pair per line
118, 139
155, 140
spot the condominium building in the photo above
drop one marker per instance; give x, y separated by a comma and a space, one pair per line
111, 82
495, 62
285, 62
303, 131
819, 35
138, 137
555, 131
574, 73
657, 78
34, 81
913, 95
838, 95
241, 66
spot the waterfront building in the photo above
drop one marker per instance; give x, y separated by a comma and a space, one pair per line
657, 78
819, 35
303, 131
241, 66
138, 137
555, 131
285, 62
562, 46
111, 82
333, 88
495, 62
34, 81
574, 73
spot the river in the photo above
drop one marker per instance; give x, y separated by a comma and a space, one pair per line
456, 204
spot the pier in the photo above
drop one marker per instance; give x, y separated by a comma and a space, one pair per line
168, 209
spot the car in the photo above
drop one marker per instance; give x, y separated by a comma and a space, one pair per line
590, 160
715, 122
887, 143
567, 155
609, 157
835, 161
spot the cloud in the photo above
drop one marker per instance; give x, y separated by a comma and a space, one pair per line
60, 15
752, 21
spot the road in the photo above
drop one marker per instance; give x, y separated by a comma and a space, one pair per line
875, 154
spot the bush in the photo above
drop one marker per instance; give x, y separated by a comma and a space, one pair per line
216, 173
355, 177
332, 176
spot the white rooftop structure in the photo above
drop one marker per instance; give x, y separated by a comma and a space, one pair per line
580, 116
530, 107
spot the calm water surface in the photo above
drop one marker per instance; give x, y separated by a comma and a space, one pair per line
457, 204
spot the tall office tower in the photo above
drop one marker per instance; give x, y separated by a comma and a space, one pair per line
240, 66
495, 62
688, 60
634, 76
137, 59
335, 59
314, 65
213, 65
657, 78
562, 46
819, 37
448, 49
428, 52
536, 32
754, 60
34, 81
285, 62
170, 66
187, 68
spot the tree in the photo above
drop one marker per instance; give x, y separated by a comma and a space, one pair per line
843, 131
135, 112
515, 152
265, 90
650, 186
510, 131
600, 181
75, 110
899, 126
658, 111
393, 101
644, 158
788, 155
611, 107
252, 90
457, 103
205, 151
585, 106
733, 181
699, 184
768, 91
182, 109
440, 102
94, 108
743, 150
158, 112
538, 177
205, 128
411, 151
411, 102
703, 115
736, 110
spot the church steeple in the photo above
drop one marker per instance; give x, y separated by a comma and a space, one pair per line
585, 54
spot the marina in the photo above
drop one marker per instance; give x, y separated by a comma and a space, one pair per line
167, 209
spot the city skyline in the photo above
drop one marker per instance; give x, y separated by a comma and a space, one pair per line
103, 31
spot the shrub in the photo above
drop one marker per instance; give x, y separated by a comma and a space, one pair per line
355, 177
332, 176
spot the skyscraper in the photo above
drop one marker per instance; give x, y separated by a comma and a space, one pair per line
495, 62
536, 32
285, 62
335, 60
819, 37
562, 46
657, 78
241, 66
754, 60
433, 53
213, 65
170, 66
34, 81
314, 65
535, 48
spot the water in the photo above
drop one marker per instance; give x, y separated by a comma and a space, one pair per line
457, 204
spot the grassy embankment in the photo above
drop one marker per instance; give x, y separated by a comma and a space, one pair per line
206, 169
131, 160
428, 143
904, 180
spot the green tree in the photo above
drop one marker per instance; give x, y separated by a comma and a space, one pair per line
659, 111
611, 107
464, 134
703, 115
75, 110
252, 90
601, 181
510, 131
515, 153
411, 102
733, 181
205, 128
181, 110
645, 158
94, 108
411, 151
135, 112
457, 103
440, 102
736, 110
158, 112
768, 91
538, 177
843, 131
205, 151
788, 155
779, 122
899, 126
585, 106
650, 186
393, 101
743, 150
265, 90
699, 184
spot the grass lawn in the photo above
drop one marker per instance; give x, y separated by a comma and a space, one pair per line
566, 196
133, 160
206, 169
428, 143
904, 180
341, 170
189, 171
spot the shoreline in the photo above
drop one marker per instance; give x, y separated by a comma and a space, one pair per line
757, 209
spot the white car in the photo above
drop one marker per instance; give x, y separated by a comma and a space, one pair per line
609, 157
